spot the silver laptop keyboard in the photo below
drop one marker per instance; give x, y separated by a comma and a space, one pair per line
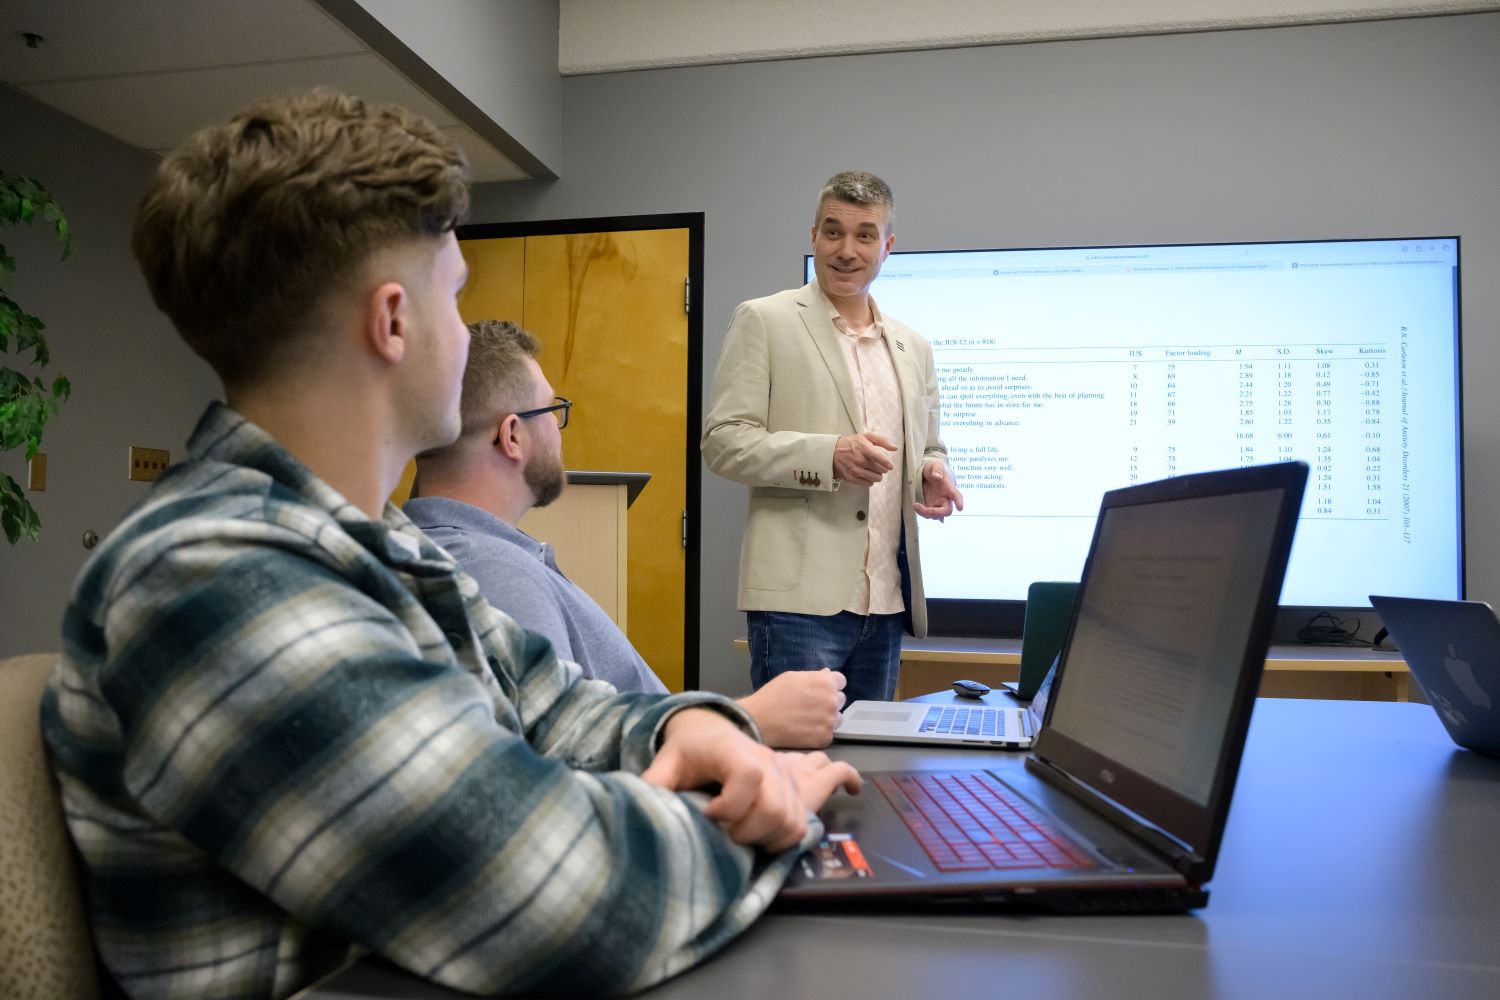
947, 720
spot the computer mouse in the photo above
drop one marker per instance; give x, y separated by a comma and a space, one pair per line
970, 689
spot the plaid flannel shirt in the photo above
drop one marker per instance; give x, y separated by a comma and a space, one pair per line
286, 734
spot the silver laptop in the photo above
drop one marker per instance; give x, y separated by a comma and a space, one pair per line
1006, 727
1453, 650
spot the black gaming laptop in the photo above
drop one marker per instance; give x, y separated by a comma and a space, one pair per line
1123, 801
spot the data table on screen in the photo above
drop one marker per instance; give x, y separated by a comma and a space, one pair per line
1064, 373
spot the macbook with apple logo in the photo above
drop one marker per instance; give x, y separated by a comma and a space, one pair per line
1453, 650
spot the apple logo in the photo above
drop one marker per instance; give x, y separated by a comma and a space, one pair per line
1454, 716
1463, 676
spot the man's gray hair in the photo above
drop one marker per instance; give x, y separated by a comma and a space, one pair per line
858, 187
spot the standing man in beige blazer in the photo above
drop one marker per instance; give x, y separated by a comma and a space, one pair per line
828, 411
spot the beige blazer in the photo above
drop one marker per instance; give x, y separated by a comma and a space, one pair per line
782, 395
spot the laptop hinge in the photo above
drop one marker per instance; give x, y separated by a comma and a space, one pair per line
1187, 861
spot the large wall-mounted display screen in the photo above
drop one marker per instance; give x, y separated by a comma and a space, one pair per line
1068, 372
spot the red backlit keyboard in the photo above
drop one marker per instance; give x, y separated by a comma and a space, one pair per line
972, 822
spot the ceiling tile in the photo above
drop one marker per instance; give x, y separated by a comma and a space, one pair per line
159, 110
91, 38
150, 72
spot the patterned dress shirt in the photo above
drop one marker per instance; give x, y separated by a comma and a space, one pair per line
878, 589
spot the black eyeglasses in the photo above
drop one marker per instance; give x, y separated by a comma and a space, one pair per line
559, 411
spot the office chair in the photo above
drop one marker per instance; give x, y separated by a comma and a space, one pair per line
45, 948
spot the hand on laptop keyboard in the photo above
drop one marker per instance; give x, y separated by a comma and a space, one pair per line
764, 796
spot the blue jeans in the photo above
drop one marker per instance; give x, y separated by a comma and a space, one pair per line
866, 649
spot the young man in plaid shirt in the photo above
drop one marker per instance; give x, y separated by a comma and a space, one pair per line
287, 729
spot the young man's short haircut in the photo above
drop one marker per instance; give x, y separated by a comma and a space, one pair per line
249, 224
858, 187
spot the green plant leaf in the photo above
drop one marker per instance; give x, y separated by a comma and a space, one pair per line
22, 420
12, 423
28, 335
53, 213
20, 184
10, 318
17, 517
26, 402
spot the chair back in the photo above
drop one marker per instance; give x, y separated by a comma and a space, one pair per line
45, 948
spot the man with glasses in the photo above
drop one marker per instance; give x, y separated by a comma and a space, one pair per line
471, 495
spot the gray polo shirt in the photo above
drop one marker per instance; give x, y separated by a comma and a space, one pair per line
518, 575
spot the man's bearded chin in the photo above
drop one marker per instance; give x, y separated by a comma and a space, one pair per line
546, 478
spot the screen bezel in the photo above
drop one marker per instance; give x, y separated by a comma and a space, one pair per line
1003, 617
1199, 826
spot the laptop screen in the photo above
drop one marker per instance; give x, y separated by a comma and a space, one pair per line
1161, 633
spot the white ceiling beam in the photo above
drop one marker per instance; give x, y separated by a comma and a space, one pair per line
490, 63
603, 36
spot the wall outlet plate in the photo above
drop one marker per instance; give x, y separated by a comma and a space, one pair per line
147, 464
36, 473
